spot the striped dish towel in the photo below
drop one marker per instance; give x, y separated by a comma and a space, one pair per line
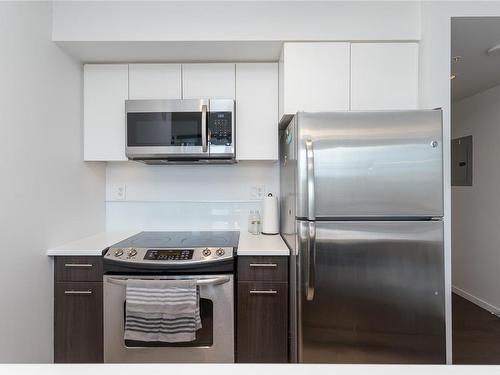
162, 310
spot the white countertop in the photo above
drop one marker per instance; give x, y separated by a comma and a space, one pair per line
261, 244
249, 244
242, 369
90, 246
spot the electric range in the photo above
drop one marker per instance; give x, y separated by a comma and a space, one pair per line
206, 251
207, 258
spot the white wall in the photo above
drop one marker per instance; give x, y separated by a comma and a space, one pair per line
235, 20
48, 195
434, 65
476, 208
186, 197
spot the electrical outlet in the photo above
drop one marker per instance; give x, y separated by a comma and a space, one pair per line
257, 192
117, 192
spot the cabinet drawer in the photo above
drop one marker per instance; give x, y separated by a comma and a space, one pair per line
78, 322
78, 268
263, 268
262, 322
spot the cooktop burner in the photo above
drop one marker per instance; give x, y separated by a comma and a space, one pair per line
203, 239
149, 239
180, 240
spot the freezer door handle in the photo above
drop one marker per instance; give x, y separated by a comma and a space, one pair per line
311, 215
311, 261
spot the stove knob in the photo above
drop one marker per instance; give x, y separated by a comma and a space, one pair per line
207, 253
118, 253
132, 253
220, 252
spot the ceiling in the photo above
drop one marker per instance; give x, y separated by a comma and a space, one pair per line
471, 37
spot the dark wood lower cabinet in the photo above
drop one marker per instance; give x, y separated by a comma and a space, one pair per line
261, 297
262, 322
78, 312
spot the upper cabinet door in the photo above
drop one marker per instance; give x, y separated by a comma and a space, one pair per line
384, 76
212, 81
155, 81
315, 77
257, 111
104, 94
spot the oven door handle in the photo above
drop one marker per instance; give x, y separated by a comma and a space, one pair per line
201, 282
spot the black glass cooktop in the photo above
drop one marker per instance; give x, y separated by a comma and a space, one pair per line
181, 239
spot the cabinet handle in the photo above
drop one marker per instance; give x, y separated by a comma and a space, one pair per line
270, 265
84, 265
263, 292
79, 292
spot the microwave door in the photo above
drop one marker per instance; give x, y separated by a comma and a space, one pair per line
164, 132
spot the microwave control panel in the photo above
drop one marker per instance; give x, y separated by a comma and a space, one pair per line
221, 128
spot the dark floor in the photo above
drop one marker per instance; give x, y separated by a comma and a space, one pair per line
476, 334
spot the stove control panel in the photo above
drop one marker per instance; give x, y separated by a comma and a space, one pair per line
169, 255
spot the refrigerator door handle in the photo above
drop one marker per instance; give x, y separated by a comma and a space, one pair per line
311, 261
204, 128
310, 180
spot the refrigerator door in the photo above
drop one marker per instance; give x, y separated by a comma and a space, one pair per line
369, 164
370, 292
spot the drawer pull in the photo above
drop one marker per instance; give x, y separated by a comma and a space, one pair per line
269, 265
263, 292
79, 292
83, 265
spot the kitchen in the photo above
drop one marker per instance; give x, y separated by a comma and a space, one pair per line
284, 73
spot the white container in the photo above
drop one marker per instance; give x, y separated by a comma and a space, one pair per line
270, 215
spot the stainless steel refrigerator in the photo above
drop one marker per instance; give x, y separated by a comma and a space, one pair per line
361, 211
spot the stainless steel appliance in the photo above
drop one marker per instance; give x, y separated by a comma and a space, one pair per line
180, 131
207, 257
361, 210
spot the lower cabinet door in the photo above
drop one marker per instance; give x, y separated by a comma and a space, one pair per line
262, 322
78, 331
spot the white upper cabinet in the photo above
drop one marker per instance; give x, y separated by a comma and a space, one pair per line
384, 76
209, 81
104, 94
314, 77
155, 81
257, 111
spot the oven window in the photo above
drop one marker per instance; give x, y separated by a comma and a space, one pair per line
163, 129
204, 336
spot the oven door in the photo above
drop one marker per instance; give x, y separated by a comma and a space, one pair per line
214, 341
157, 129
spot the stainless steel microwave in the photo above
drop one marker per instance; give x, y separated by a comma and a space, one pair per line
180, 131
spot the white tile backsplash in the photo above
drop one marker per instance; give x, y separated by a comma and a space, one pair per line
185, 197
178, 215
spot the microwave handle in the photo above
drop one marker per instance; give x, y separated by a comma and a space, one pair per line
204, 127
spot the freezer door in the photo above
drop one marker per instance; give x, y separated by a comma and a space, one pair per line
369, 164
371, 292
